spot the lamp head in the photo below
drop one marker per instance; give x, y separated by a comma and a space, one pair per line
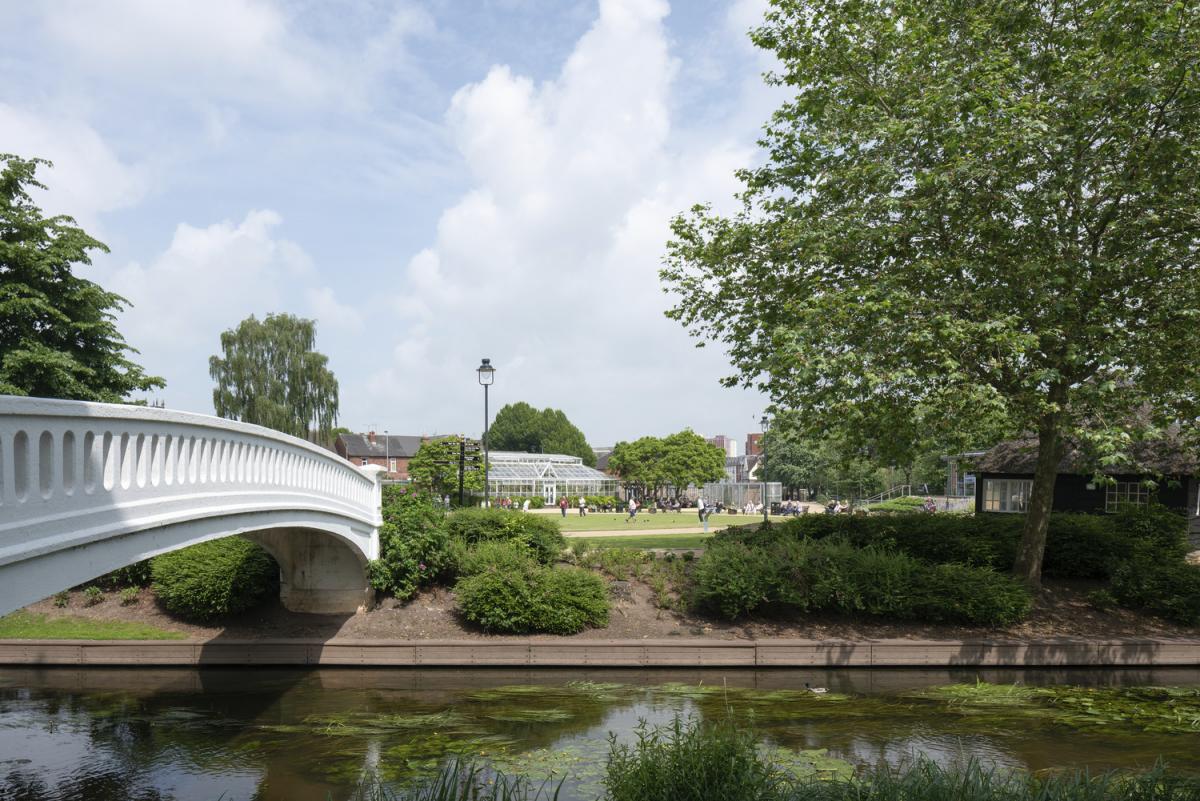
487, 373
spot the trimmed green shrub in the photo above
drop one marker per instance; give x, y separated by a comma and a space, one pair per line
539, 533
498, 556
534, 599
414, 548
92, 595
733, 579
214, 579
1077, 545
963, 594
1168, 589
537, 502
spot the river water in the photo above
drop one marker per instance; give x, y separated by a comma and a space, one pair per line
264, 734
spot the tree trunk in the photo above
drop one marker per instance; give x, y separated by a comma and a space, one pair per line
1028, 566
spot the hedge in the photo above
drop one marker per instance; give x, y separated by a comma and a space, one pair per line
534, 599
1077, 545
737, 578
214, 579
1168, 589
539, 533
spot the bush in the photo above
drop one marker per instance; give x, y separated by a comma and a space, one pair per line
497, 556
735, 578
62, 599
414, 548
539, 533
972, 595
1168, 589
534, 599
129, 596
214, 579
1077, 545
92, 595
537, 502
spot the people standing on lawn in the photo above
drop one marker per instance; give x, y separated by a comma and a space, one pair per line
563, 503
929, 505
525, 506
582, 506
633, 507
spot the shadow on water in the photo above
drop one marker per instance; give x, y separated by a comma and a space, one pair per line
266, 734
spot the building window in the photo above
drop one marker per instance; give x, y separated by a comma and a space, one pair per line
365, 462
1125, 493
391, 465
1006, 494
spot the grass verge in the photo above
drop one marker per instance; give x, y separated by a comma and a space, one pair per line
645, 542
24, 625
609, 521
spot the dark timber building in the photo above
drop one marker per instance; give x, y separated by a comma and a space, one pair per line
1166, 473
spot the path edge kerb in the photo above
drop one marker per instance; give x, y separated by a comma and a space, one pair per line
672, 653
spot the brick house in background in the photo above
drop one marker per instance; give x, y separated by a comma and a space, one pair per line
391, 452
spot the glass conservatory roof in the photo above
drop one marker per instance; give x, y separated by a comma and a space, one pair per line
509, 466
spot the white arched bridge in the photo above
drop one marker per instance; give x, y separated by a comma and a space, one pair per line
86, 488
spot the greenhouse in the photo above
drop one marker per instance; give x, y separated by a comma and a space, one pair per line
546, 475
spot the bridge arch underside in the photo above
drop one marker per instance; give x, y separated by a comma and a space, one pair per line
322, 558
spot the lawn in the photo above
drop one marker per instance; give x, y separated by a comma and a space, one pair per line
615, 521
26, 626
645, 541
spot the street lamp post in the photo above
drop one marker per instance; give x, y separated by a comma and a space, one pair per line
487, 374
387, 452
763, 468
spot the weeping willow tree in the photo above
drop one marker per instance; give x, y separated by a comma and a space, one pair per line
271, 376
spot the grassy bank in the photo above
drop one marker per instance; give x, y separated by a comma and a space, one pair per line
27, 626
617, 521
645, 542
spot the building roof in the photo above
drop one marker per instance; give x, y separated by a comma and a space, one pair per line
1168, 456
515, 466
393, 445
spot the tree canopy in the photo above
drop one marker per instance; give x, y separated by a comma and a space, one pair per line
653, 463
270, 375
58, 337
521, 427
968, 204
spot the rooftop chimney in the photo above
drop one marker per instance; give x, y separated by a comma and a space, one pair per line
371, 437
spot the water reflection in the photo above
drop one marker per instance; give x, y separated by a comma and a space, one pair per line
292, 734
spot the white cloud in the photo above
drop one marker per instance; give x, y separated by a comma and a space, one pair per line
243, 47
329, 312
88, 177
252, 52
548, 265
206, 281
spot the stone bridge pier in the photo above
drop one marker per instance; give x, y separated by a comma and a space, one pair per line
317, 573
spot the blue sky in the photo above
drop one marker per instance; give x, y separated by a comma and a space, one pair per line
433, 181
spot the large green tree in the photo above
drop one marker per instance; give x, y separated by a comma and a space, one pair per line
521, 427
652, 463
58, 338
995, 200
269, 374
